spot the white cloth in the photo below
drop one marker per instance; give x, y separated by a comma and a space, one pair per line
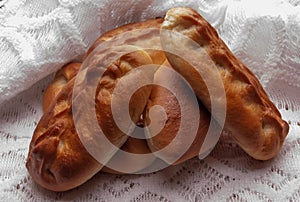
38, 37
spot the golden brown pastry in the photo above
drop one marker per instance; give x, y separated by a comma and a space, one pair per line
132, 145
253, 120
58, 159
70, 70
62, 77
175, 112
149, 24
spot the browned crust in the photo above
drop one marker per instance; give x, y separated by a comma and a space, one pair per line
168, 101
151, 23
252, 118
62, 77
57, 160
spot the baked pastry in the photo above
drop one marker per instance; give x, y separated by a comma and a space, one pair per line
62, 77
180, 116
132, 145
253, 120
58, 157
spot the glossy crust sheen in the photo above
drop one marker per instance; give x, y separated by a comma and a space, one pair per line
132, 145
57, 159
62, 77
165, 139
70, 70
56, 154
252, 118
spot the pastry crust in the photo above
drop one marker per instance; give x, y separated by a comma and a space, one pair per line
253, 120
149, 24
132, 145
57, 158
169, 138
62, 77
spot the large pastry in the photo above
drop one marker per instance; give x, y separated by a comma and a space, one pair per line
251, 117
59, 161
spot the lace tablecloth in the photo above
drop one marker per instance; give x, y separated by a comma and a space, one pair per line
38, 37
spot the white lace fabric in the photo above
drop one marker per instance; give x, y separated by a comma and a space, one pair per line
38, 37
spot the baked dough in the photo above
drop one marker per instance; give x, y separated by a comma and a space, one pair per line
132, 145
57, 159
253, 120
170, 138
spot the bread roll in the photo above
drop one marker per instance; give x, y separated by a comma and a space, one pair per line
57, 160
132, 145
253, 120
178, 117
58, 157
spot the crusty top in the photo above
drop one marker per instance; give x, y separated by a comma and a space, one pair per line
251, 117
57, 158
